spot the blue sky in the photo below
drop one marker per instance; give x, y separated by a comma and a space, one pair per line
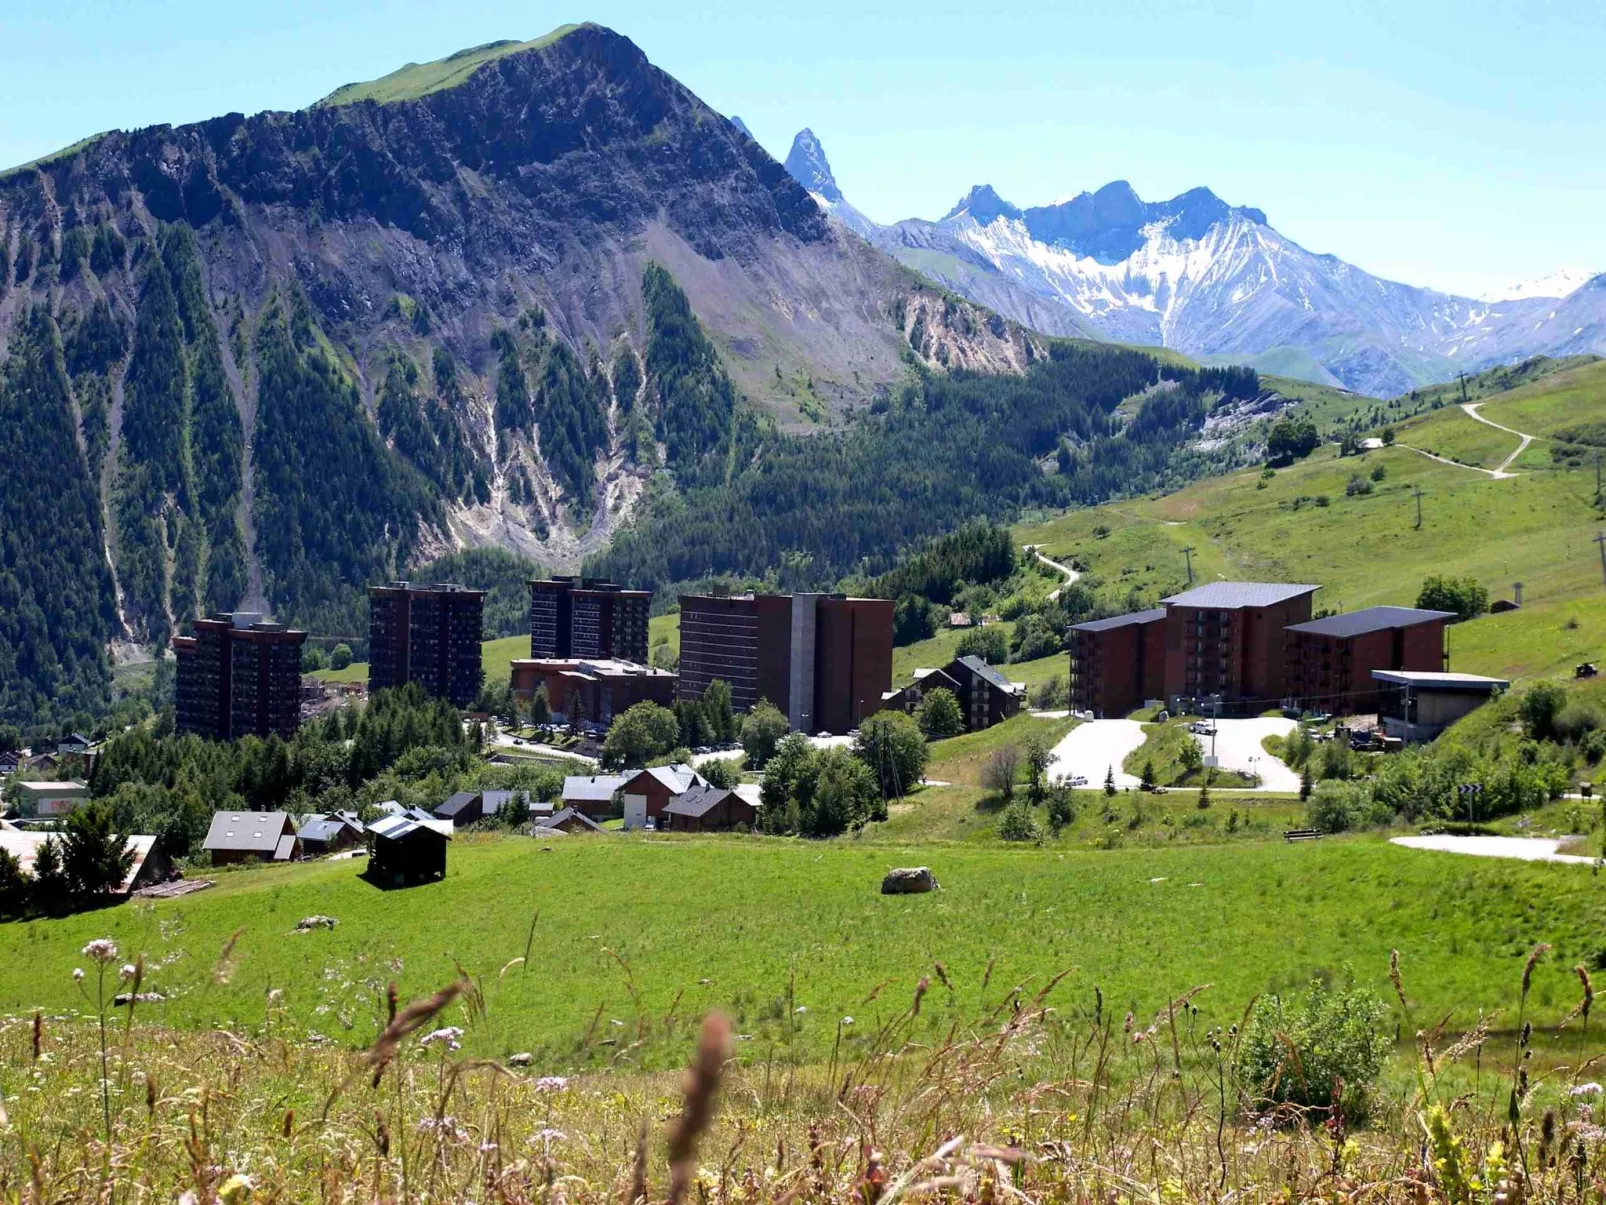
1445, 144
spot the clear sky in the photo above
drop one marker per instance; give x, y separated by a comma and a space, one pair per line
1450, 144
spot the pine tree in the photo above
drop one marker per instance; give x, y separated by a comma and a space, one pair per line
1147, 782
1204, 793
1305, 783
1109, 781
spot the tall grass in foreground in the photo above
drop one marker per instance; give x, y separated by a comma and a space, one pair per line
1035, 1100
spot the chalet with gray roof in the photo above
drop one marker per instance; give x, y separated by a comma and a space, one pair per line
236, 837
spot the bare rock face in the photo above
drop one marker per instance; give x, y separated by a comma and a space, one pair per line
909, 880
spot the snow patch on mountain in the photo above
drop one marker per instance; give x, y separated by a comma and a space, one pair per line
1558, 284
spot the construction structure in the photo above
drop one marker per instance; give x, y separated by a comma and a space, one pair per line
238, 675
590, 693
825, 660
428, 634
1330, 660
583, 617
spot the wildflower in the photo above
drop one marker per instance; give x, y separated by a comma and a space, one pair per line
801, 1008
129, 970
78, 974
102, 950
552, 1083
447, 1035
1587, 1089
549, 1135
236, 1188
847, 1020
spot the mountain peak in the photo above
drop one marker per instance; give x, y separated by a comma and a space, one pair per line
984, 205
742, 126
414, 80
808, 165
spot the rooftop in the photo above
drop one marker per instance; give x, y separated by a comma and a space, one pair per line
1120, 621
50, 788
1369, 619
593, 787
1434, 680
24, 845
594, 667
251, 832
977, 666
698, 801
1229, 596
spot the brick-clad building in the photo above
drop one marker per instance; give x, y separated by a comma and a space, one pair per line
587, 617
238, 676
1118, 663
985, 696
429, 634
591, 692
824, 659
1330, 661
1228, 639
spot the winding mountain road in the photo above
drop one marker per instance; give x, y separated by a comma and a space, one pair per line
1500, 470
1071, 575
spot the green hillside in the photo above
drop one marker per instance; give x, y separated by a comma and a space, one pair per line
420, 79
1303, 524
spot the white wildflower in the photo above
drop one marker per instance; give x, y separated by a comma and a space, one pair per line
129, 970
552, 1083
847, 1020
78, 974
448, 1035
1586, 1089
102, 950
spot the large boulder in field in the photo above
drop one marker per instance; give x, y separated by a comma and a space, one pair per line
909, 880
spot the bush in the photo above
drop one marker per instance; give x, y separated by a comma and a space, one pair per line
1337, 807
1061, 809
1017, 823
644, 732
989, 643
1296, 1052
1462, 595
1379, 472
1052, 695
1540, 707
893, 747
938, 714
1577, 722
1357, 486
722, 772
313, 659
340, 656
1000, 771
763, 728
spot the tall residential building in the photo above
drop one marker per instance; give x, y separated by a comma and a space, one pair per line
824, 659
1330, 661
427, 634
1228, 639
239, 676
586, 617
1117, 664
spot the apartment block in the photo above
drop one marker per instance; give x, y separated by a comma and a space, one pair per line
588, 617
824, 659
591, 692
1228, 639
1330, 661
238, 676
1117, 664
428, 634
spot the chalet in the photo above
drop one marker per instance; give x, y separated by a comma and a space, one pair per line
592, 793
570, 820
407, 849
648, 792
150, 864
492, 802
705, 809
984, 695
39, 799
75, 744
10, 760
330, 832
465, 807
251, 836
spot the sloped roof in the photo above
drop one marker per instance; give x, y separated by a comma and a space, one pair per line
405, 824
592, 787
698, 801
566, 815
1369, 619
24, 844
286, 848
455, 804
248, 832
678, 779
1120, 621
1229, 596
979, 667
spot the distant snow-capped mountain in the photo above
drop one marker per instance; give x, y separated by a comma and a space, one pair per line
1215, 281
1556, 284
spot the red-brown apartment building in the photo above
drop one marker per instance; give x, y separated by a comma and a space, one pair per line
594, 692
1330, 661
824, 659
1118, 663
1228, 639
238, 676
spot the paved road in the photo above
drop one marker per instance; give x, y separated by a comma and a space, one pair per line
1093, 749
1500, 469
1071, 575
1528, 849
1238, 748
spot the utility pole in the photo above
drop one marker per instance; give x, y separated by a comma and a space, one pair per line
1187, 555
1416, 492
1462, 377
1516, 593
1597, 477
1600, 538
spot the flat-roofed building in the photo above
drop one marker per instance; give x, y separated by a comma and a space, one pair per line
1330, 660
238, 676
1117, 664
1227, 640
41, 799
588, 617
825, 660
428, 634
1417, 705
592, 692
